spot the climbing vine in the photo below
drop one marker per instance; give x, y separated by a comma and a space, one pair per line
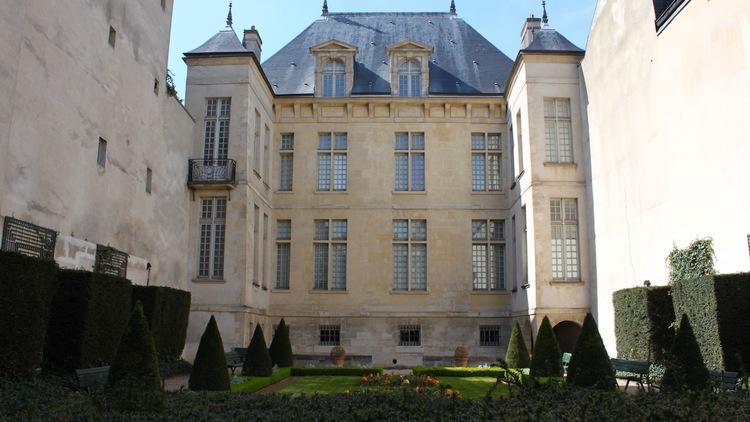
696, 260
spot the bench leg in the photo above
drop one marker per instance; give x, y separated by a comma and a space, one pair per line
627, 383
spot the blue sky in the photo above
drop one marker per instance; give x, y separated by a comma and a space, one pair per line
279, 21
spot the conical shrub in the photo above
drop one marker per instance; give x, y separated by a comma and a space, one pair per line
257, 361
685, 367
517, 355
590, 365
210, 366
281, 347
547, 359
135, 363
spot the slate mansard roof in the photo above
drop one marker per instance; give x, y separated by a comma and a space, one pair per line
224, 42
463, 62
548, 40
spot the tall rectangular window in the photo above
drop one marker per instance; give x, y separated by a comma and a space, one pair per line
266, 155
488, 254
286, 170
283, 253
409, 255
409, 162
212, 237
519, 150
332, 162
486, 162
263, 253
216, 134
256, 143
329, 252
410, 335
558, 132
101, 153
256, 245
564, 217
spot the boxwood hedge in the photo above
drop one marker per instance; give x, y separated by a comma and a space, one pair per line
167, 311
437, 371
27, 286
643, 323
718, 310
333, 371
88, 316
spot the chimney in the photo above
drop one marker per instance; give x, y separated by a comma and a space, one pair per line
252, 41
530, 28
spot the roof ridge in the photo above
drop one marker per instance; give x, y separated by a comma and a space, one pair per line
389, 13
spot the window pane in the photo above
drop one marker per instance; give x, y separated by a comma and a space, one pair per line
341, 141
417, 141
400, 267
324, 172
563, 108
321, 229
419, 230
284, 230
221, 208
479, 265
339, 172
417, 172
479, 230
339, 267
497, 230
493, 142
549, 108
571, 209
571, 252
478, 182
477, 141
565, 141
223, 146
550, 136
340, 85
401, 230
287, 141
401, 166
403, 85
282, 265
557, 252
321, 266
402, 141
226, 107
287, 172
494, 170
419, 266
339, 229
328, 85
324, 141
218, 271
416, 85
211, 106
555, 206
204, 255
208, 140
207, 208
497, 266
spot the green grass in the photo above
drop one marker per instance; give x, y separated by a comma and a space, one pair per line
471, 387
253, 384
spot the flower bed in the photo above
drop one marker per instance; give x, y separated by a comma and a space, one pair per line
420, 384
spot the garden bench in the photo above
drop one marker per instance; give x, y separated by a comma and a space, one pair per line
236, 358
566, 360
724, 381
93, 377
632, 371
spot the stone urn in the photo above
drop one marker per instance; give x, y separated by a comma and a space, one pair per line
338, 355
461, 357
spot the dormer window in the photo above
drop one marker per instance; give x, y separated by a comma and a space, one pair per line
334, 68
334, 78
410, 79
410, 68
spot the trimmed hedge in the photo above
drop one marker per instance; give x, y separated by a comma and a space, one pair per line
517, 355
643, 320
27, 286
281, 347
167, 311
257, 360
717, 307
136, 365
546, 360
458, 372
590, 365
685, 368
89, 315
210, 366
334, 372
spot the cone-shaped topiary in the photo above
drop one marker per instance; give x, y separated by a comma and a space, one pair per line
135, 363
281, 347
547, 359
257, 361
590, 365
517, 355
210, 366
685, 367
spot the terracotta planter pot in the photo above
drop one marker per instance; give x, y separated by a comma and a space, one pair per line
338, 360
461, 362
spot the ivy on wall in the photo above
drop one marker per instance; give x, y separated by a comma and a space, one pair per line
697, 260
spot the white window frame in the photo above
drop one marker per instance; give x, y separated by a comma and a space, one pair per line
331, 244
217, 129
555, 150
283, 269
333, 154
412, 150
334, 78
487, 154
286, 181
411, 242
212, 248
410, 71
488, 242
568, 267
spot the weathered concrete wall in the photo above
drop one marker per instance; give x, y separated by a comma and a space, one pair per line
62, 87
667, 115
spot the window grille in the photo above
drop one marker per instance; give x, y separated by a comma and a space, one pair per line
486, 162
489, 336
558, 130
330, 335
409, 255
111, 261
410, 335
564, 218
28, 239
332, 162
488, 254
330, 254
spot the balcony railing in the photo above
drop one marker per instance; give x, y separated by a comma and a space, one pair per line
212, 172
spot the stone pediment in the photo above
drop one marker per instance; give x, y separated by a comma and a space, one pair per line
410, 46
333, 46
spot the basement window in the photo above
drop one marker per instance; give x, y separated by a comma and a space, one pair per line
112, 37
330, 335
410, 336
666, 10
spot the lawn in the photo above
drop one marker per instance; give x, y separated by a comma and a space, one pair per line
253, 384
471, 387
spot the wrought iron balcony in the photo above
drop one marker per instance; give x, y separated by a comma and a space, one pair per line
212, 173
